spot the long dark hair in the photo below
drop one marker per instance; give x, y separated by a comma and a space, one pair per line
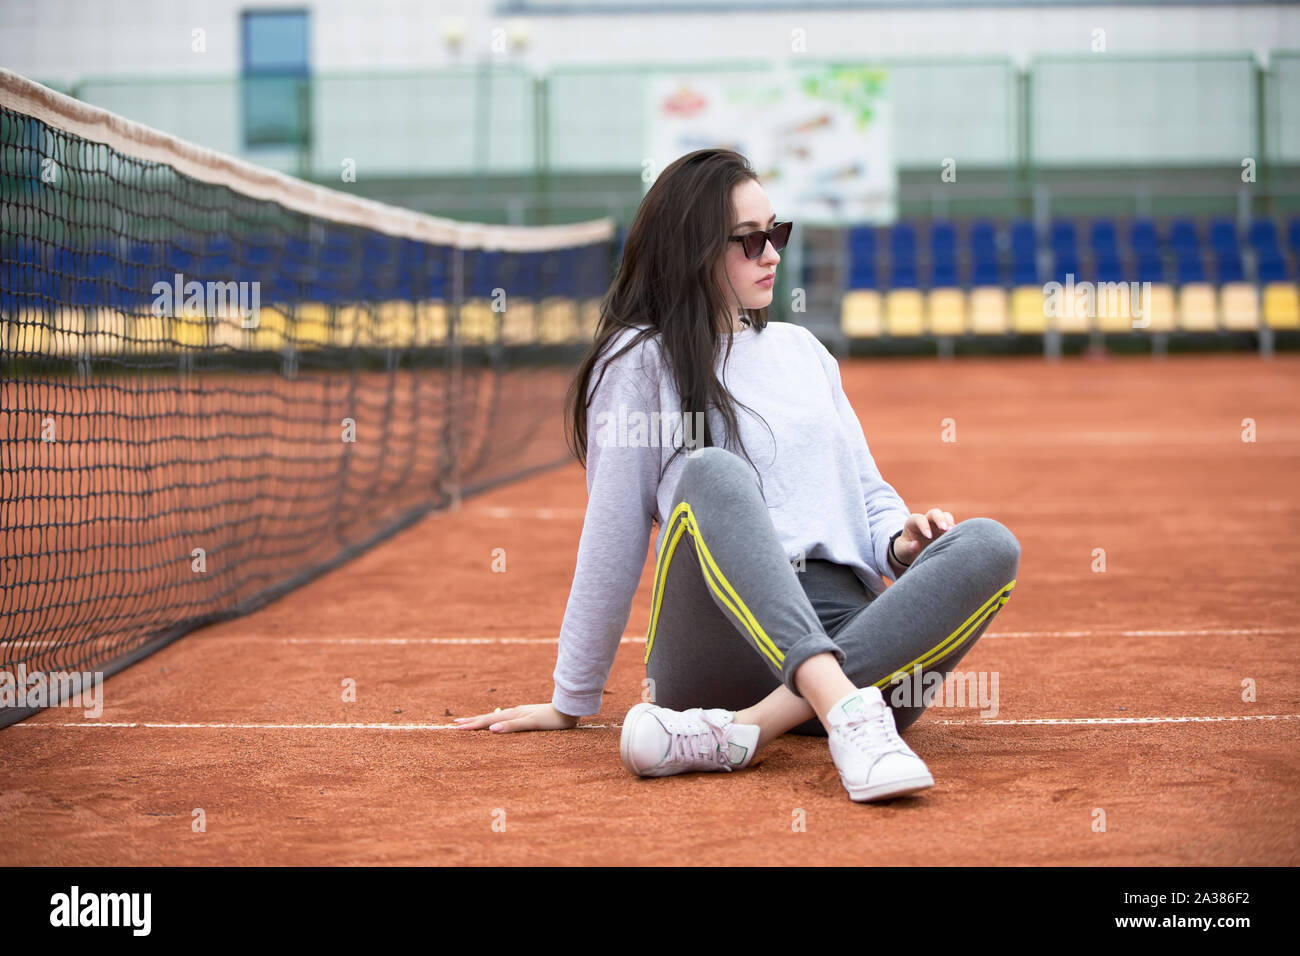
668, 280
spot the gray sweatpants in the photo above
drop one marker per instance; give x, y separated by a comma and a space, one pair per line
732, 619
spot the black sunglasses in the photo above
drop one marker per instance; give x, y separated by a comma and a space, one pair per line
755, 242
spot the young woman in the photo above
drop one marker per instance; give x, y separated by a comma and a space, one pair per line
769, 611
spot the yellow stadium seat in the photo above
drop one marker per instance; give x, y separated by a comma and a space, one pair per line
1027, 314
1116, 306
478, 322
947, 309
904, 312
1240, 304
311, 325
226, 331
149, 333
274, 330
191, 330
559, 320
590, 318
1281, 305
1198, 308
519, 322
1156, 305
431, 322
1070, 308
352, 327
33, 331
860, 314
988, 310
395, 326
111, 334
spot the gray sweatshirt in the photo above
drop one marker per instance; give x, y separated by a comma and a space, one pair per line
824, 493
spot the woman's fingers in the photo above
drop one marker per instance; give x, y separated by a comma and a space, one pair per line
483, 720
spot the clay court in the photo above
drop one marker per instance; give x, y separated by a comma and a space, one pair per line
1120, 691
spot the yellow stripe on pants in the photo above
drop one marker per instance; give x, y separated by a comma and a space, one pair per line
683, 520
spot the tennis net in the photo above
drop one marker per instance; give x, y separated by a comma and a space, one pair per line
219, 381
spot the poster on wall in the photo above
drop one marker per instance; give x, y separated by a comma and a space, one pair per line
820, 138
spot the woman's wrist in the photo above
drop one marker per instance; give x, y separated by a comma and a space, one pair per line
893, 555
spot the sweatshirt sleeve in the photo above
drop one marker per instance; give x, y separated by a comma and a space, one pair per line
622, 490
886, 510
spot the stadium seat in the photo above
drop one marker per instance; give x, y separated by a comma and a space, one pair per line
1198, 307
904, 312
430, 322
988, 311
520, 322
1239, 302
1281, 305
1159, 311
478, 322
1115, 308
947, 308
1027, 315
860, 314
1071, 310
558, 320
589, 318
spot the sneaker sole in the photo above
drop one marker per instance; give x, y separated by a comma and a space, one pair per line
625, 739
894, 788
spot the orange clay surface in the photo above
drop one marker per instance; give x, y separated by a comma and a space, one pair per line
1120, 691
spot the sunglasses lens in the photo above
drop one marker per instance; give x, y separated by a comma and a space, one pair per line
754, 243
781, 235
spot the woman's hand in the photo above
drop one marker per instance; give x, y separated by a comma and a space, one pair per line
918, 532
526, 717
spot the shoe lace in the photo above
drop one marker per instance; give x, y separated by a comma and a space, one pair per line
708, 746
874, 733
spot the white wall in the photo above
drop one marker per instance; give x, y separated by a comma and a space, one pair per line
378, 100
65, 40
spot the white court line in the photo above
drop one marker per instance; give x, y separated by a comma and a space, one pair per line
1212, 632
965, 509
1094, 721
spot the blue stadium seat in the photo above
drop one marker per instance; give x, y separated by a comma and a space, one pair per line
1150, 268
943, 238
1143, 237
1272, 268
862, 257
1228, 266
1293, 236
944, 274
1108, 268
902, 241
1024, 239
862, 240
1223, 236
1190, 268
983, 239
862, 274
1104, 238
1183, 238
1262, 235
986, 272
1024, 271
1064, 238
902, 274
1067, 264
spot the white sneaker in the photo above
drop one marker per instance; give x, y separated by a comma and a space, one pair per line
873, 761
658, 742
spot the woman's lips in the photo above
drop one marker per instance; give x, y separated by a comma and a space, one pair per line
768, 280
